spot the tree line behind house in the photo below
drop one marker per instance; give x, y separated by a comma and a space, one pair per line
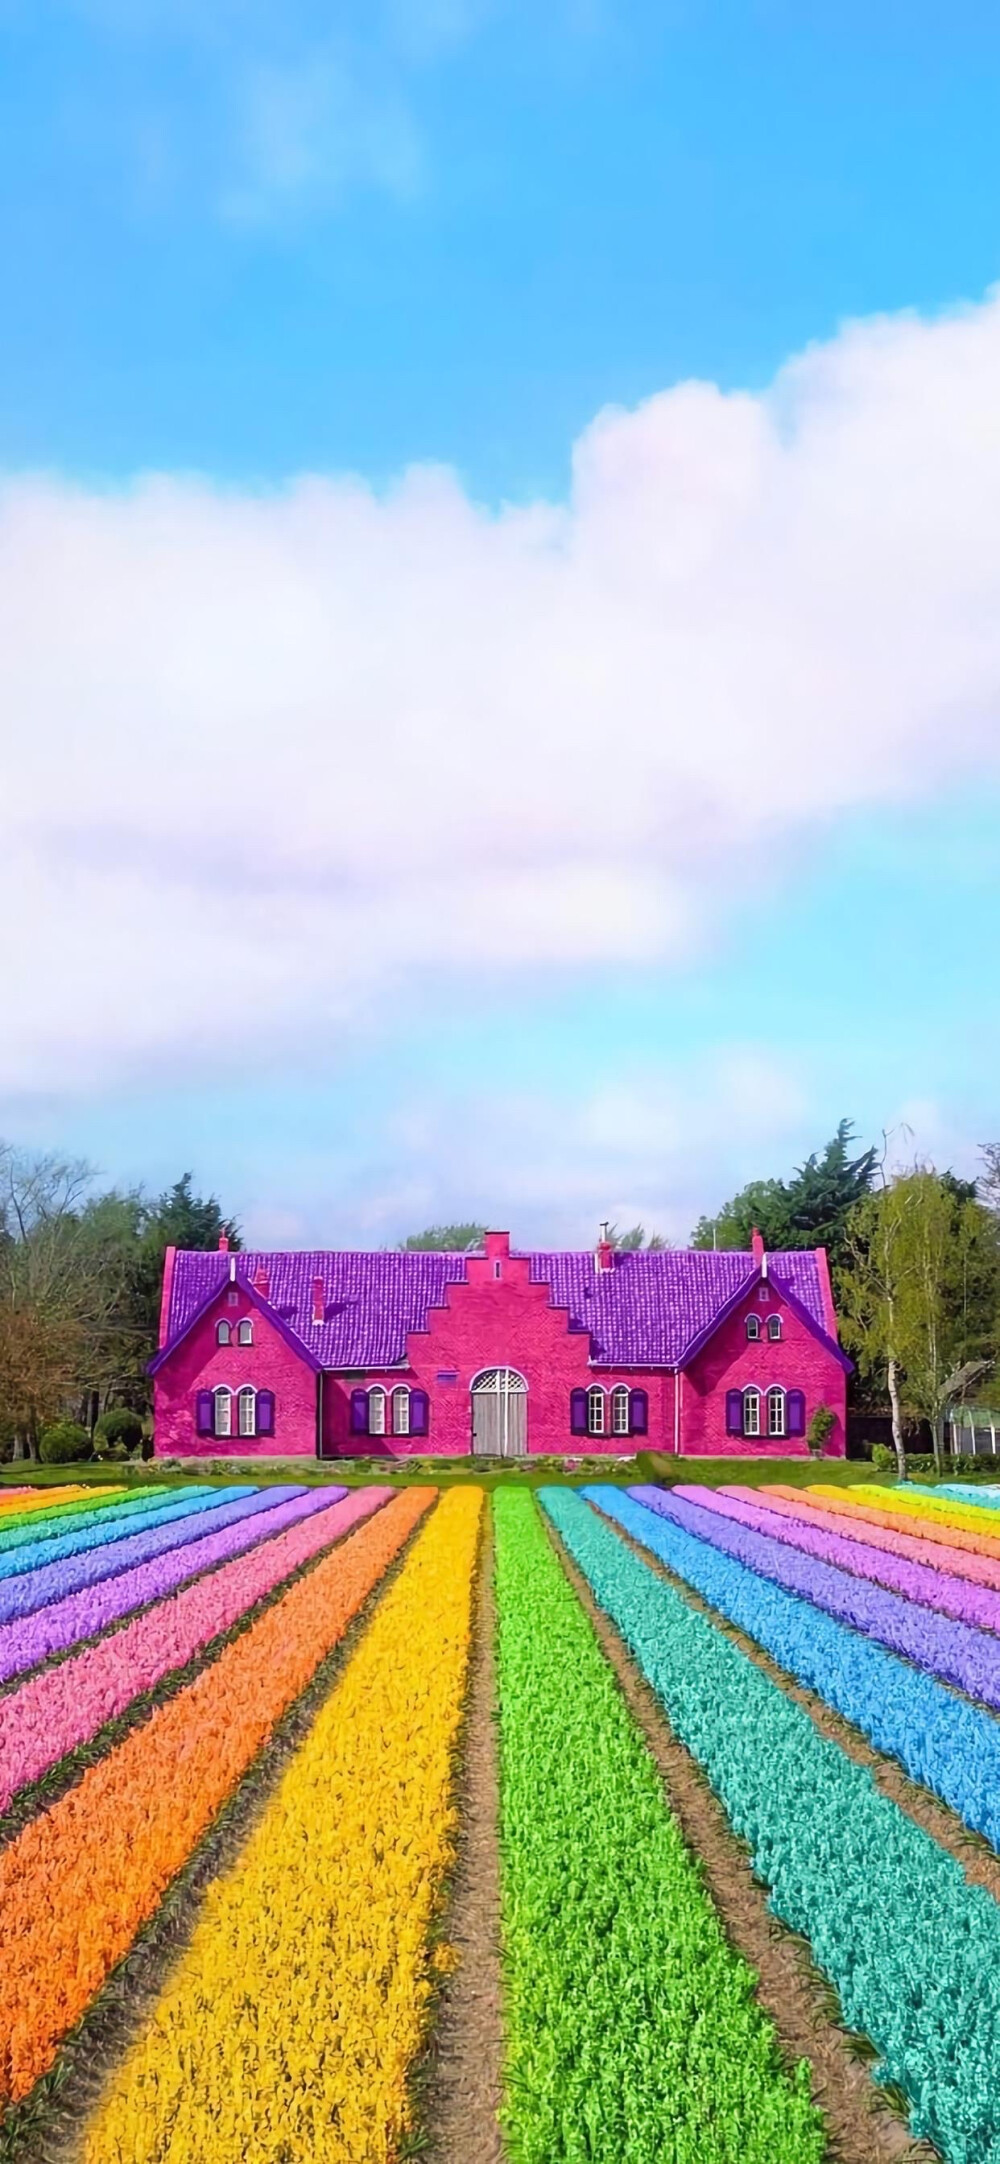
915, 1256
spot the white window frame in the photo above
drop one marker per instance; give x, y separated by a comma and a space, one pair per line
401, 1410
620, 1409
751, 1412
222, 1410
246, 1414
774, 1328
597, 1410
777, 1412
753, 1329
223, 1332
377, 1410
244, 1331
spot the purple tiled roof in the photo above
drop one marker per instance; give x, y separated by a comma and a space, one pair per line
645, 1312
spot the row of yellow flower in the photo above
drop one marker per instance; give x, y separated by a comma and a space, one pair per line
289, 2029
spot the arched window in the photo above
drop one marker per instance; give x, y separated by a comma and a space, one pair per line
774, 1328
753, 1328
244, 1331
401, 1410
751, 1412
595, 1410
376, 1410
248, 1410
776, 1412
223, 1334
619, 1411
223, 1421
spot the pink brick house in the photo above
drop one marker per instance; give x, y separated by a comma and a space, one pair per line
339, 1354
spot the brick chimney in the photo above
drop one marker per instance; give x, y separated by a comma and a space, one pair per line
757, 1246
223, 1243
319, 1300
604, 1253
261, 1282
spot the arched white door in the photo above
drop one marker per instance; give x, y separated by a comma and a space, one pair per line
499, 1414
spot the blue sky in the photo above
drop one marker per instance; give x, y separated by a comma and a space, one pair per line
384, 853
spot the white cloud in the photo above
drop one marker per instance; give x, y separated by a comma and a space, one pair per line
265, 755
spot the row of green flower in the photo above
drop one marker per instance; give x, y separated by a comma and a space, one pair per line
632, 2031
912, 1948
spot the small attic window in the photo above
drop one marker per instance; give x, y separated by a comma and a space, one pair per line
753, 1328
232, 1297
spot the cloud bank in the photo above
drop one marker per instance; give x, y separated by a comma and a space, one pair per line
265, 756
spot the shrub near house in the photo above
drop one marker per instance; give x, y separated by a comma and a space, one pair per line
497, 1353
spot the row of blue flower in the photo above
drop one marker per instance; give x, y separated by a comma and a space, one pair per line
17, 1529
912, 1948
948, 1746
98, 1529
956, 1653
203, 1513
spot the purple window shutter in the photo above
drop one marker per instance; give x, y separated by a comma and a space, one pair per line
578, 1412
795, 1406
265, 1412
734, 1412
359, 1412
205, 1413
420, 1410
638, 1412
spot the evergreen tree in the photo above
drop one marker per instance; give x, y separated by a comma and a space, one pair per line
809, 1210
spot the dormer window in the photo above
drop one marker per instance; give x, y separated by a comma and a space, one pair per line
774, 1328
244, 1332
223, 1334
753, 1328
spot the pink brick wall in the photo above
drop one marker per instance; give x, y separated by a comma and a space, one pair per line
799, 1361
495, 1321
269, 1363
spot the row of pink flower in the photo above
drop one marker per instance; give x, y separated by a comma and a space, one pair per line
63, 1707
933, 1554
955, 1597
29, 1640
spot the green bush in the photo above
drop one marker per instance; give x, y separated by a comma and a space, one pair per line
883, 1458
120, 1429
820, 1428
64, 1443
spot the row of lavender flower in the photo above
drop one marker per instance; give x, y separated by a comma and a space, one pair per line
880, 1659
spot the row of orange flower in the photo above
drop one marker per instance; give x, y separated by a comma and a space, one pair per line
79, 1882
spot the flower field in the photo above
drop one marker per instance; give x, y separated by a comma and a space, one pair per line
235, 1781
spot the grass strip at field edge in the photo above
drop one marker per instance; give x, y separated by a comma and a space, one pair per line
292, 2022
613, 1950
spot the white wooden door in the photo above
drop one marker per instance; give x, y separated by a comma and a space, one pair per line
499, 1414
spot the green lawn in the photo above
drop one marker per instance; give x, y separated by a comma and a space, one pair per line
531, 1472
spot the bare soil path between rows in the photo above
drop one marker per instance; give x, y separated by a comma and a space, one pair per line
971, 1851
863, 2126
463, 2077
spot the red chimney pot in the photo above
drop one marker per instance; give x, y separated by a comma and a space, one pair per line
223, 1243
319, 1300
